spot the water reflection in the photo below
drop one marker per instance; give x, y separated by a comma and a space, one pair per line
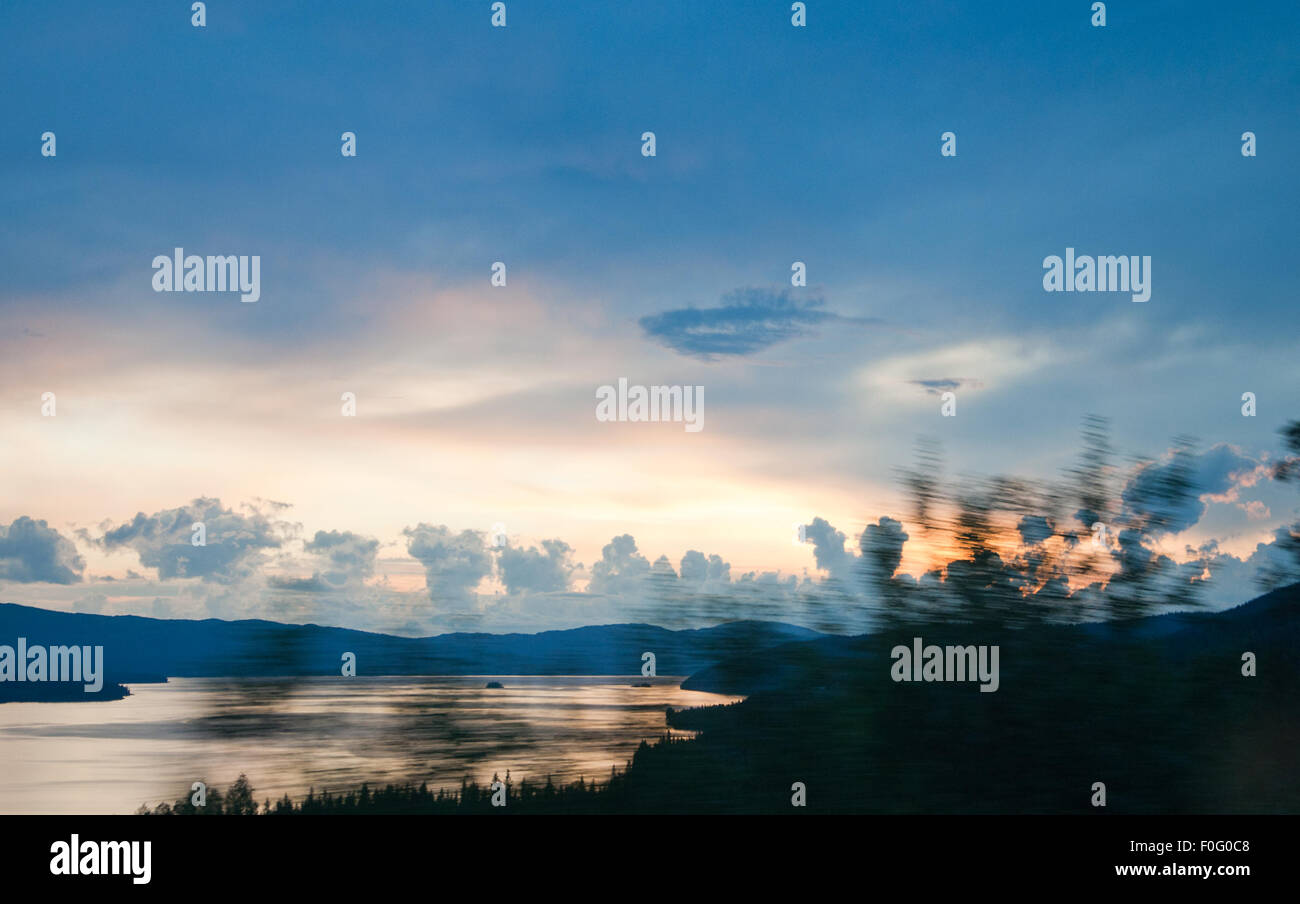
292, 734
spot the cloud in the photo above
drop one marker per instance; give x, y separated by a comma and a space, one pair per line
92, 603
1228, 580
1173, 493
828, 548
747, 321
620, 567
882, 547
996, 362
32, 551
314, 584
664, 567
696, 568
454, 564
542, 571
1034, 529
1255, 510
351, 557
947, 384
234, 548
627, 585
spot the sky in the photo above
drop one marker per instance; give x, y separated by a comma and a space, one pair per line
475, 403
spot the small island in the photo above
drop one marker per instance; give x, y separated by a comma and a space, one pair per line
492, 684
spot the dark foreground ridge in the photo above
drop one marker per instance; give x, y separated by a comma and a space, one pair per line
1157, 709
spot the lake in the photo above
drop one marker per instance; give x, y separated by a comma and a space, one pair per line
291, 734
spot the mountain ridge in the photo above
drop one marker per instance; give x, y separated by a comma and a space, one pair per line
139, 648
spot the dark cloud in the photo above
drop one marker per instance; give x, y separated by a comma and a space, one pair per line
235, 543
882, 548
454, 564
544, 571
946, 384
747, 321
1034, 529
32, 551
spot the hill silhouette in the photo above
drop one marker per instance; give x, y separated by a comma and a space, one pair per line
139, 649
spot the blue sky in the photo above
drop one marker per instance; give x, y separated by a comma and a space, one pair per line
522, 144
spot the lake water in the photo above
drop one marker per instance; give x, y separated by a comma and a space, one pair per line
289, 735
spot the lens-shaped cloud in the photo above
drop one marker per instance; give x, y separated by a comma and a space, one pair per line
747, 321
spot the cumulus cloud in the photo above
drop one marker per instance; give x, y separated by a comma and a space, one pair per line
542, 571
859, 585
663, 583
350, 557
1278, 561
697, 568
747, 321
1226, 580
882, 548
663, 566
1173, 493
1255, 510
1034, 529
828, 548
620, 567
32, 551
454, 564
235, 544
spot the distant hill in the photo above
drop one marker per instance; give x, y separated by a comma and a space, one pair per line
138, 649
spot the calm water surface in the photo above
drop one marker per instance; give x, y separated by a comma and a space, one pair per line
292, 734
